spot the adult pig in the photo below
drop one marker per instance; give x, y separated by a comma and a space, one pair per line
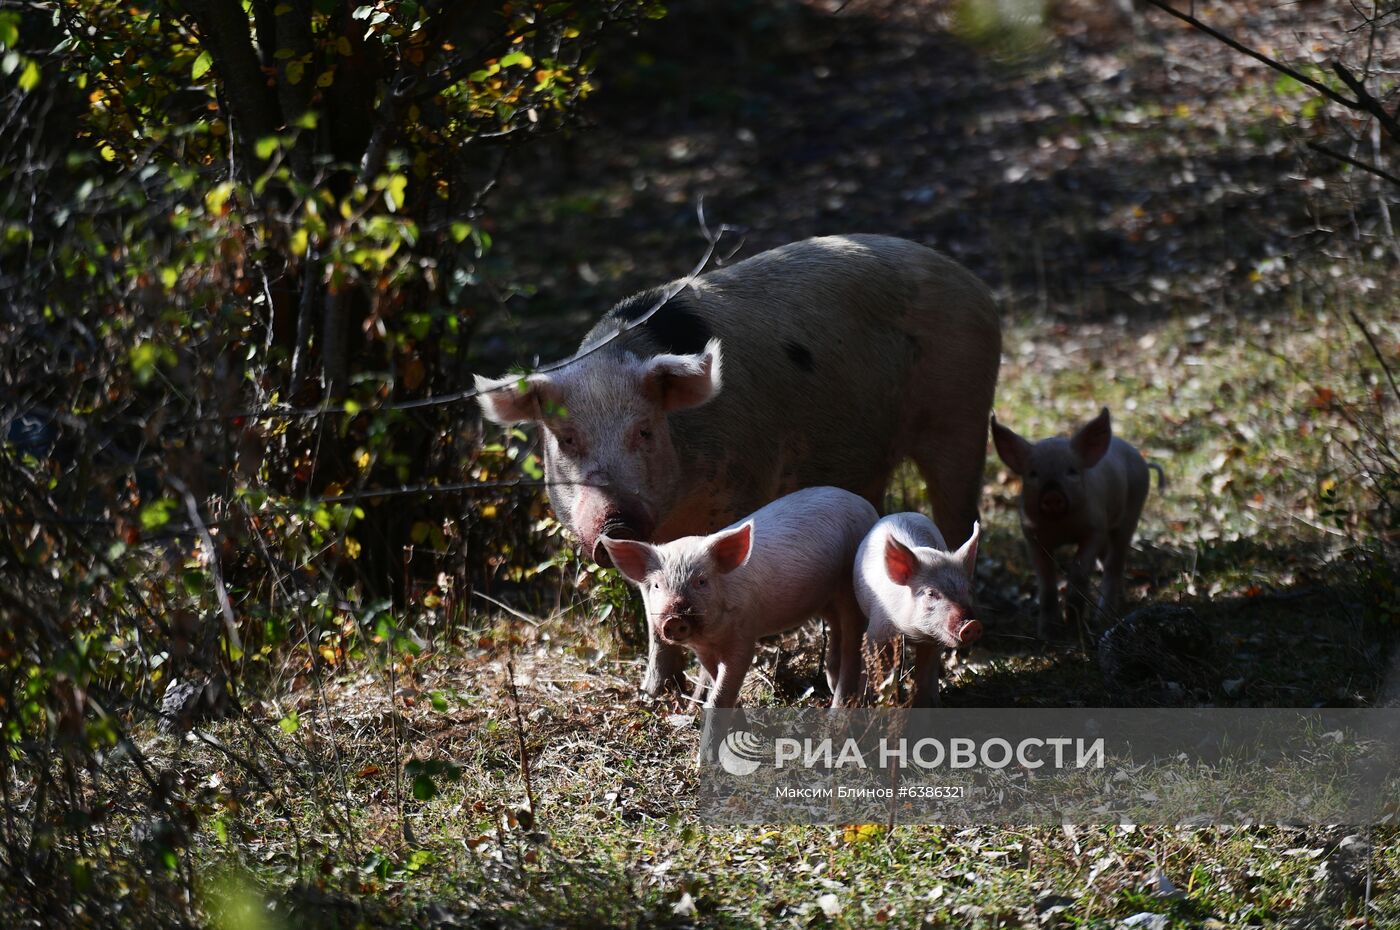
824, 362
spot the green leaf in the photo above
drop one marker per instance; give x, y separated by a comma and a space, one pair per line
423, 787
290, 723
29, 78
295, 70
156, 514
201, 65
517, 58
265, 147
394, 191
9, 29
461, 231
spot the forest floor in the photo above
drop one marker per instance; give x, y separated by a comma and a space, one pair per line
1159, 241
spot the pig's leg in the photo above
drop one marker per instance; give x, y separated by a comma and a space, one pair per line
928, 667
729, 675
951, 462
846, 615
1047, 587
665, 666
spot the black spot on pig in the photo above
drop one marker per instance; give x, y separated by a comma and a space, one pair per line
800, 355
676, 327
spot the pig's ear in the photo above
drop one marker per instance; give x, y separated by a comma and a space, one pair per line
676, 382
900, 561
634, 559
516, 399
730, 550
967, 555
1011, 447
1092, 441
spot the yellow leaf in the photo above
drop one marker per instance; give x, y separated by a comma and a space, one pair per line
352, 547
342, 45
488, 512
861, 832
326, 79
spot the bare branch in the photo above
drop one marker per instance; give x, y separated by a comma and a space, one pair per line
1354, 162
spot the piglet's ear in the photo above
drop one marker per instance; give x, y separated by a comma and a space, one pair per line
1092, 441
634, 559
900, 561
1011, 447
676, 382
967, 555
731, 549
517, 399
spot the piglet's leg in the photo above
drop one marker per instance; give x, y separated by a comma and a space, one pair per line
928, 667
665, 666
847, 616
729, 674
1114, 562
1048, 587
1080, 570
703, 680
834, 633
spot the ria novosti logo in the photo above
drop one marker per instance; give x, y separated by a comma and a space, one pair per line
743, 753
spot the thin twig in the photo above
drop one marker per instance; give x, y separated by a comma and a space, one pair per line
1376, 351
1354, 162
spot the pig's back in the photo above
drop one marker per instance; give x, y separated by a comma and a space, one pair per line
804, 546
879, 598
832, 353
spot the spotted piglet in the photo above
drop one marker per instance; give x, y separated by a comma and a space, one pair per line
1087, 491
908, 583
787, 562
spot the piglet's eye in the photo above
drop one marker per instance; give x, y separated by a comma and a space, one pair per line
644, 433
699, 582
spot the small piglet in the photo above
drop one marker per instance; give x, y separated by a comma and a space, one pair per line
788, 561
907, 582
1087, 490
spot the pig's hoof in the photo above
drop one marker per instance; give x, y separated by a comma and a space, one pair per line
655, 684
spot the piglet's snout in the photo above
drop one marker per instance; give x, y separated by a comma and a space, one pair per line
675, 629
968, 631
1053, 501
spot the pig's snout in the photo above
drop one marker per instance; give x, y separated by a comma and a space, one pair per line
615, 529
675, 630
968, 632
1053, 501
629, 521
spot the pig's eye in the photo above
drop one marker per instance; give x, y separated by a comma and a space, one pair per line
1072, 472
644, 434
931, 594
699, 582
